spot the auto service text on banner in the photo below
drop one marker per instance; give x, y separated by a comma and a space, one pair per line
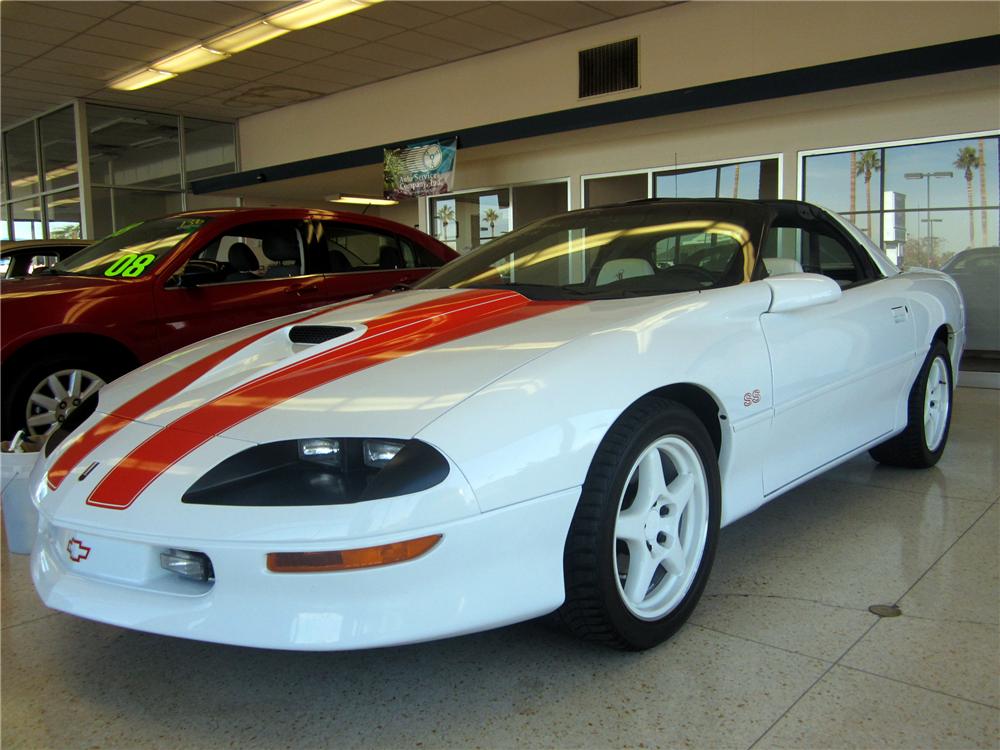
422, 168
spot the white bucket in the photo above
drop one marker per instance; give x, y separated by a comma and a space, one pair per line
20, 518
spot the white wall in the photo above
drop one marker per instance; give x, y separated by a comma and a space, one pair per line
682, 45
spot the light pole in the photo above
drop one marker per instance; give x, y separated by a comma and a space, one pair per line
927, 176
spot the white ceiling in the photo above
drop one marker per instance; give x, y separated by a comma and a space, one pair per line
52, 52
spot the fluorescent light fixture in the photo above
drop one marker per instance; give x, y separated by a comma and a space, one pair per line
245, 37
141, 79
50, 175
189, 59
361, 200
312, 12
52, 204
299, 16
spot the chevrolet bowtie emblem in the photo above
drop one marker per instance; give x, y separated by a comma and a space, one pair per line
77, 551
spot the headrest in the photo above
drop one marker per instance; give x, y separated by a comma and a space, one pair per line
389, 256
623, 268
242, 258
781, 266
281, 246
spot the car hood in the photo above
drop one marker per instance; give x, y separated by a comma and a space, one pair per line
387, 366
382, 366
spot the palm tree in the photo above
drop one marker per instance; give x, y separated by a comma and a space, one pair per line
736, 182
867, 165
982, 188
491, 217
445, 214
968, 160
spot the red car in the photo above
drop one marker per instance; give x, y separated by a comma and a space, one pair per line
158, 285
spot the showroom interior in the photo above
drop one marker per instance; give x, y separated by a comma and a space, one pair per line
859, 609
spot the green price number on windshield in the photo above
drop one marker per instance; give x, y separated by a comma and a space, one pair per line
130, 266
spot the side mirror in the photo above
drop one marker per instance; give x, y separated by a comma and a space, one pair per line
795, 291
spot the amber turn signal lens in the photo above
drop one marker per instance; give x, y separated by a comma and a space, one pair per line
349, 559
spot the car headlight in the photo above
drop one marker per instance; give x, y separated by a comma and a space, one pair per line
73, 420
320, 471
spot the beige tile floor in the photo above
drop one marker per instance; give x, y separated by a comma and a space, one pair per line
782, 652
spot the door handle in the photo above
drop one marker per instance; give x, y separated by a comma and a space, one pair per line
900, 313
301, 289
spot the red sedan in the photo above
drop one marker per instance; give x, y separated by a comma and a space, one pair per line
158, 285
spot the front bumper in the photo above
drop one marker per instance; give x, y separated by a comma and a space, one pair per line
488, 570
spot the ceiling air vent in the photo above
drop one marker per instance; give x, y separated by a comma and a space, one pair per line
610, 67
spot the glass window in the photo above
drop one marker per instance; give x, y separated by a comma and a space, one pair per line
133, 250
133, 148
4, 230
263, 250
196, 202
117, 208
464, 221
606, 191
920, 202
63, 213
58, 133
22, 168
533, 202
816, 252
27, 219
209, 148
751, 179
355, 249
907, 169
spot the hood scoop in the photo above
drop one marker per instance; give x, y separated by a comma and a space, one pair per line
312, 335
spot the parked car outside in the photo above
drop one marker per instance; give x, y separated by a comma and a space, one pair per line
560, 420
977, 272
24, 257
155, 286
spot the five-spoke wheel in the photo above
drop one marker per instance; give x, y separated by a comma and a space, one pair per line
922, 441
661, 528
643, 538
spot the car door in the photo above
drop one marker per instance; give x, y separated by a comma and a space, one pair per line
261, 271
840, 369
363, 260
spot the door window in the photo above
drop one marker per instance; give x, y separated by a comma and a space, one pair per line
345, 248
816, 251
263, 250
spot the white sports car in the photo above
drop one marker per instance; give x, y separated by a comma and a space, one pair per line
559, 421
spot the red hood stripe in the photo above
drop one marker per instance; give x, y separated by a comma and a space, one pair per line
389, 337
82, 445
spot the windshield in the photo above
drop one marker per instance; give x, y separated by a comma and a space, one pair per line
132, 251
621, 251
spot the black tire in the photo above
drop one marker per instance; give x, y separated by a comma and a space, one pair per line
594, 608
22, 383
909, 448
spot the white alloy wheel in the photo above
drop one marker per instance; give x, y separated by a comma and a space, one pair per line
936, 403
55, 397
661, 527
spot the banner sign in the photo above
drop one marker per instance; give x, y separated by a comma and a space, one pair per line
424, 168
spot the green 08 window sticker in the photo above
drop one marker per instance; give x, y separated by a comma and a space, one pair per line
130, 265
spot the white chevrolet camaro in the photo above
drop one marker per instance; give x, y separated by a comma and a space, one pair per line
560, 421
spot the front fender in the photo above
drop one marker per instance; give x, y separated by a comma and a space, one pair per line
536, 430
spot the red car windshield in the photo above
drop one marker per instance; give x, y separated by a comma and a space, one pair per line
132, 251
